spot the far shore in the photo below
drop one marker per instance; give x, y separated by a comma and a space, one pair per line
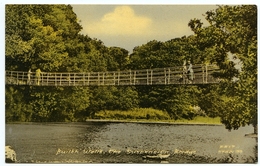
151, 122
198, 121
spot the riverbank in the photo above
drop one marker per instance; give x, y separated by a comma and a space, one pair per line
199, 120
150, 115
196, 121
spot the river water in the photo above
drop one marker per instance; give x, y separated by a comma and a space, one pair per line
103, 142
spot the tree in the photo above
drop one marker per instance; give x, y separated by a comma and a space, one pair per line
46, 37
209, 100
113, 98
147, 56
73, 103
155, 54
40, 35
233, 31
126, 98
16, 106
118, 58
178, 101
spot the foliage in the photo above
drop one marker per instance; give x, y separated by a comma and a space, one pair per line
150, 114
48, 37
15, 105
137, 113
232, 30
45, 37
113, 98
209, 100
157, 54
178, 101
118, 59
40, 34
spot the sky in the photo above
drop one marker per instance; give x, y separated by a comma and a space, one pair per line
128, 26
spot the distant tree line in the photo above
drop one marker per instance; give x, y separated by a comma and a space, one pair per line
48, 37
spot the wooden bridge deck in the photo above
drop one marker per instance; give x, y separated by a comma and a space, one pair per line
158, 76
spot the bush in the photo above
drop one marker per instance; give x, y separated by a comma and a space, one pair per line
137, 113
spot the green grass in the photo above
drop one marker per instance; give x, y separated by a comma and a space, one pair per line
140, 113
200, 119
150, 115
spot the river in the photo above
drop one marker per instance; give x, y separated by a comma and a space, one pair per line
103, 142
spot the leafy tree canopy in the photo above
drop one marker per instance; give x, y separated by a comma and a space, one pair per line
233, 30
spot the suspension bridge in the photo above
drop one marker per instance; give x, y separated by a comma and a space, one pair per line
157, 76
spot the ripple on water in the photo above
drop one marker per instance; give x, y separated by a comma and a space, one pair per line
128, 142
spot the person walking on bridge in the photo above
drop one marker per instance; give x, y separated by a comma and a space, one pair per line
183, 77
190, 71
29, 77
38, 76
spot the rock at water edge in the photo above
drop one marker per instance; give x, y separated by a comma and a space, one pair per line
10, 155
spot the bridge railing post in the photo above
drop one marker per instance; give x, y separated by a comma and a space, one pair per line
134, 77
55, 79
84, 78
23, 79
69, 79
206, 78
151, 77
42, 78
74, 79
165, 77
47, 80
118, 77
169, 75
114, 74
147, 77
17, 78
98, 79
203, 73
60, 78
103, 79
130, 77
88, 77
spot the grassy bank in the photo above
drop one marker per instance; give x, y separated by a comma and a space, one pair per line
200, 119
149, 115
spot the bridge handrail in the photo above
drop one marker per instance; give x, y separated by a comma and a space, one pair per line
198, 66
167, 75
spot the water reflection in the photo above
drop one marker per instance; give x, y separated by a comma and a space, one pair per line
128, 142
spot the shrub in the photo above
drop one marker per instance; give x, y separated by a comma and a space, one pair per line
137, 113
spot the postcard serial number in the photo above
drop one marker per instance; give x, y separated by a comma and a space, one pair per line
229, 149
